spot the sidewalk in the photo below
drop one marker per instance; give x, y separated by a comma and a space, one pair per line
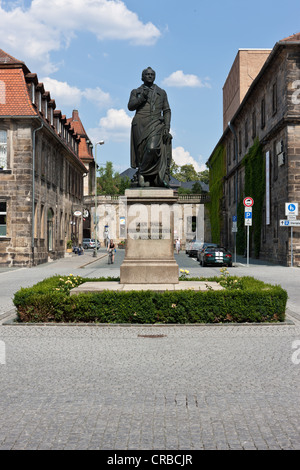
13, 279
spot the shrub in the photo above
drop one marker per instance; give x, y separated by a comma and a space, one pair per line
247, 300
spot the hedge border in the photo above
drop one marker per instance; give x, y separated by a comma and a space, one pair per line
255, 302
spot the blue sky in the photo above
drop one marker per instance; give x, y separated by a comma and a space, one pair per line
90, 55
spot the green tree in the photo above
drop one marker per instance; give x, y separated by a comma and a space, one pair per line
109, 182
204, 176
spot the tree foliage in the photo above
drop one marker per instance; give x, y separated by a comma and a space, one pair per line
109, 182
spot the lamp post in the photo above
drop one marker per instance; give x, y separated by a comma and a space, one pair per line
101, 142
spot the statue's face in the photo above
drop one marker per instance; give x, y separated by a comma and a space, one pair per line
148, 76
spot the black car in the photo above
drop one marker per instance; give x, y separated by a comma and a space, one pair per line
194, 247
215, 256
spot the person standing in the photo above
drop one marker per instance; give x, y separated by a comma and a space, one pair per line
111, 249
177, 245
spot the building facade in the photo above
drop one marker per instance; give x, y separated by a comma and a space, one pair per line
41, 174
258, 155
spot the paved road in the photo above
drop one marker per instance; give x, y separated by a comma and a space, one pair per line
148, 387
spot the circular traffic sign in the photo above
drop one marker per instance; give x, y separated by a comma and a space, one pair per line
248, 201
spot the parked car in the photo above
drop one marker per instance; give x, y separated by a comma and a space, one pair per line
215, 256
90, 243
195, 246
188, 244
203, 246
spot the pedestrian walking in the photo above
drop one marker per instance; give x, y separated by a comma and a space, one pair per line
177, 245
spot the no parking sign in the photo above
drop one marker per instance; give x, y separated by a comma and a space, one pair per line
248, 201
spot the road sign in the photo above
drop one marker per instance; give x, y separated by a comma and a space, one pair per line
234, 218
248, 214
289, 223
248, 221
291, 208
292, 217
248, 201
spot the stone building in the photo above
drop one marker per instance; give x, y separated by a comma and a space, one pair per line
41, 174
258, 154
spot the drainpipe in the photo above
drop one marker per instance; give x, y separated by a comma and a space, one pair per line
236, 181
33, 191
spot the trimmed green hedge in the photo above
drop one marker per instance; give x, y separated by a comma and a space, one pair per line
242, 300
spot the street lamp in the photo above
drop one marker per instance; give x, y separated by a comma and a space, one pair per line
101, 142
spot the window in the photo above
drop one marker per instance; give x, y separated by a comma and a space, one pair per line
246, 134
240, 142
33, 93
263, 113
253, 125
229, 153
2, 219
274, 98
275, 162
40, 101
3, 150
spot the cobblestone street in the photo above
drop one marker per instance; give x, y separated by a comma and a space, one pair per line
150, 387
207, 387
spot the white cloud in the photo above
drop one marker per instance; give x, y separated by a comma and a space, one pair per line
65, 94
179, 79
183, 157
98, 96
115, 126
33, 33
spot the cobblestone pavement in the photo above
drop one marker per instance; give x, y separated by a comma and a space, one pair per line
118, 387
149, 387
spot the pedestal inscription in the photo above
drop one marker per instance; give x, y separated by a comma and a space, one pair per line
149, 253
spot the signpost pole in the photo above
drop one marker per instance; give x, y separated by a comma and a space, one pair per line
291, 246
247, 246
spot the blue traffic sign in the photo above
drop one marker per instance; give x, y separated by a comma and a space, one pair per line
248, 215
291, 207
234, 218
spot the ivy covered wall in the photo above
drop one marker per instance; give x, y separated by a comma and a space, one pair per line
216, 177
255, 185
254, 168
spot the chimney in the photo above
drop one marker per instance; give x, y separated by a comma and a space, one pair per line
75, 116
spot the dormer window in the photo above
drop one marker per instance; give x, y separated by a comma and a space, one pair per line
40, 101
33, 93
51, 116
46, 109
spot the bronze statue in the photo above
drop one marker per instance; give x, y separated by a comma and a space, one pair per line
151, 150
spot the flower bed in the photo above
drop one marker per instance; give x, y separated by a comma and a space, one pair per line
242, 300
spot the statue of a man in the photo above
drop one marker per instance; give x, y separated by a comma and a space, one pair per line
151, 150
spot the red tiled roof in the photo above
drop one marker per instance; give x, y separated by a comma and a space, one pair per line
294, 37
14, 96
8, 59
77, 126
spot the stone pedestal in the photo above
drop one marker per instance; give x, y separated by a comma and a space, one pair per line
149, 253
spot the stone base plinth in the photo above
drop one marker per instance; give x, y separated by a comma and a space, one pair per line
149, 253
97, 286
149, 271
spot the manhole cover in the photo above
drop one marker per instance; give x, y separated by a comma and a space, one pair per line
151, 336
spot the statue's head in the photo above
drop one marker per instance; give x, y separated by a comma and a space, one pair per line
144, 73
